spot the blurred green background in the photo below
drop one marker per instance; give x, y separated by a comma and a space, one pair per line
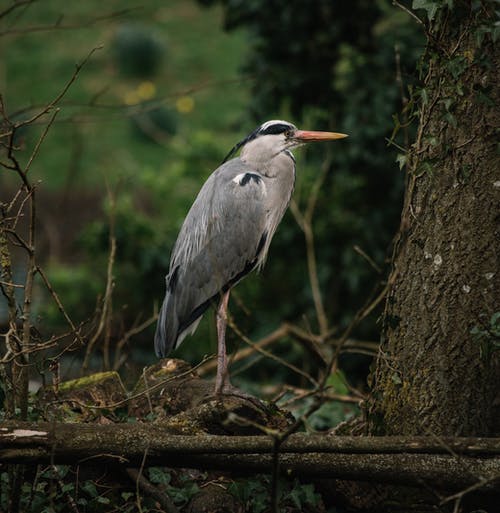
169, 89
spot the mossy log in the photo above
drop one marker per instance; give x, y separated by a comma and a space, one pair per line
451, 463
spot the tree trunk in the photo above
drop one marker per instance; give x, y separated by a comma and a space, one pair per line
438, 371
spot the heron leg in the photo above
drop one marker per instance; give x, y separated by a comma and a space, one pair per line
222, 375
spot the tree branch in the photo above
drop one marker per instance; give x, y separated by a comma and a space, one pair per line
451, 463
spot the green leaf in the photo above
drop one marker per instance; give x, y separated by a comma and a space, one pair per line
427, 5
90, 488
457, 66
295, 496
338, 381
69, 487
450, 118
495, 33
448, 102
401, 160
158, 475
396, 379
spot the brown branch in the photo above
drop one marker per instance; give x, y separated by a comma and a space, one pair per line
40, 141
268, 354
60, 306
47, 108
407, 11
134, 330
273, 337
57, 25
106, 311
474, 462
15, 5
308, 340
141, 482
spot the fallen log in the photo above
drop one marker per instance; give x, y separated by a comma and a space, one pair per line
451, 463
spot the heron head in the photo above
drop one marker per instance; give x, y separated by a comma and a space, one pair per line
276, 136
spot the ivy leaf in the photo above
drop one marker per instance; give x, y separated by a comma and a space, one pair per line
401, 160
431, 6
158, 475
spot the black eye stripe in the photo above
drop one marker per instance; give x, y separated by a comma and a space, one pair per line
269, 128
277, 128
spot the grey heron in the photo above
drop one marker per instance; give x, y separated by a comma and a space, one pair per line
227, 232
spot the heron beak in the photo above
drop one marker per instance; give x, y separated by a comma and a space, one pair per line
310, 136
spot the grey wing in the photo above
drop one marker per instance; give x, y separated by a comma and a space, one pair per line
221, 240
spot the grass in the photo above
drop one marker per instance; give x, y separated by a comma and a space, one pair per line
198, 81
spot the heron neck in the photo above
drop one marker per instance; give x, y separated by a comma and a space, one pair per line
270, 166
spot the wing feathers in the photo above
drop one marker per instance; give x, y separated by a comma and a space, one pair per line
221, 241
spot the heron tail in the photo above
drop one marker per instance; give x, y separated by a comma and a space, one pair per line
170, 329
166, 329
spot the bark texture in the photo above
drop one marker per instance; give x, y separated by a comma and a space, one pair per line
437, 371
451, 464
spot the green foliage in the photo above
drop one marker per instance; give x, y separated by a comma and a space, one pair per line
154, 123
138, 52
324, 67
488, 336
430, 6
180, 494
330, 413
55, 487
254, 494
308, 62
303, 495
111, 116
78, 285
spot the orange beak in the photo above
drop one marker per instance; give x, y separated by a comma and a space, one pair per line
309, 136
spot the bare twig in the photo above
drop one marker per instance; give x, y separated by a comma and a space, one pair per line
16, 5
40, 141
63, 92
106, 308
71, 501
407, 11
367, 257
143, 484
60, 306
305, 223
262, 351
58, 25
482, 483
135, 330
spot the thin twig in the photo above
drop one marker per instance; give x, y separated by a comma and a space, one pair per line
63, 92
57, 25
16, 5
260, 350
370, 260
135, 330
407, 11
142, 483
60, 306
107, 299
40, 141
